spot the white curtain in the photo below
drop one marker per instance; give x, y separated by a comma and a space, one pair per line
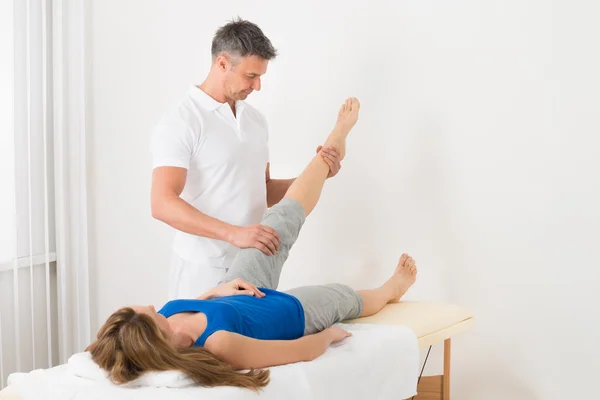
70, 125
44, 295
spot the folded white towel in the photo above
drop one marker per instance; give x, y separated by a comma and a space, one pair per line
377, 362
82, 365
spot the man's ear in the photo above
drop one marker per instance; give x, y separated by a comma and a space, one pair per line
222, 62
268, 172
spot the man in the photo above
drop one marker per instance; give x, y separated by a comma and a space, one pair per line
211, 179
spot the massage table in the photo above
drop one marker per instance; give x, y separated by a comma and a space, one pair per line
432, 323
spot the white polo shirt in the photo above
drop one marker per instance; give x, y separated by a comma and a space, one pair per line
226, 158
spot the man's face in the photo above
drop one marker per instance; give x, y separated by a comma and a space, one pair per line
243, 78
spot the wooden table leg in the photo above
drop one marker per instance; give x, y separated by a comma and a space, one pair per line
446, 381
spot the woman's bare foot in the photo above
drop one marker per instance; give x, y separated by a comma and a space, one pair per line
404, 277
347, 117
348, 114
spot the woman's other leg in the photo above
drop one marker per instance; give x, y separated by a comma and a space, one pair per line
393, 289
326, 305
288, 216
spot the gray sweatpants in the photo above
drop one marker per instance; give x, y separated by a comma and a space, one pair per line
323, 305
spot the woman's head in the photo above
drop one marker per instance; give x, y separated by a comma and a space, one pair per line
135, 340
159, 319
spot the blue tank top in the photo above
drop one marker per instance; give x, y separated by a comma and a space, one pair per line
277, 316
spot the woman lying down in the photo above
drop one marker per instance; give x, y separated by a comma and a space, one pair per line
245, 323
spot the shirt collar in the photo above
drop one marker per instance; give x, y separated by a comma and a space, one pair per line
204, 100
207, 102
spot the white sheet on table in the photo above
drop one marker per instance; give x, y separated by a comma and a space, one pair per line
377, 362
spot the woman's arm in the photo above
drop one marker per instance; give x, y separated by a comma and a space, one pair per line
242, 352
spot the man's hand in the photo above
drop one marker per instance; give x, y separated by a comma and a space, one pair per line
262, 237
236, 287
332, 157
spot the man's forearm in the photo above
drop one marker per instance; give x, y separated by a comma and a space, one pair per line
180, 215
276, 189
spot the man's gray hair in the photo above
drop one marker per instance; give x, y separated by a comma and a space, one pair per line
242, 38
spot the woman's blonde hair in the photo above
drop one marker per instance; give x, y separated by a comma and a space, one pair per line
130, 344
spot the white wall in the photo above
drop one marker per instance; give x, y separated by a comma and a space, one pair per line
475, 152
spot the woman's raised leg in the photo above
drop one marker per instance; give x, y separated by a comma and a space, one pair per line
307, 188
288, 216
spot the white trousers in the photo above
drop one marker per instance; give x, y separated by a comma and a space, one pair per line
188, 280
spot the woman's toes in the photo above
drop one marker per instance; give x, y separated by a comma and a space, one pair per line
403, 258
